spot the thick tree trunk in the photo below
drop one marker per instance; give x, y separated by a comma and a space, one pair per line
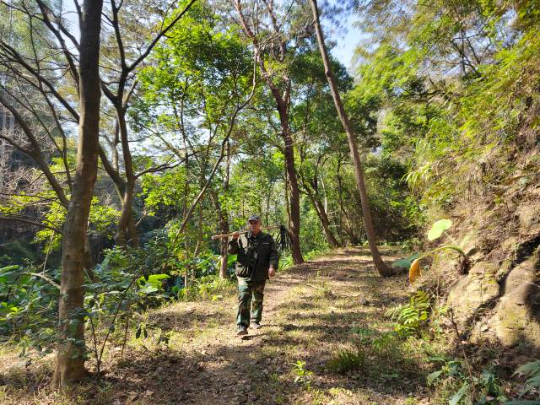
382, 267
71, 347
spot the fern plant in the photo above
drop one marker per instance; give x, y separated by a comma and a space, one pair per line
347, 360
411, 317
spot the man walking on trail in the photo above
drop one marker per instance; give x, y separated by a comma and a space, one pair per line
257, 260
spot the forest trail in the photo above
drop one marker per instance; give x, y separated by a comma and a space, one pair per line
313, 311
310, 313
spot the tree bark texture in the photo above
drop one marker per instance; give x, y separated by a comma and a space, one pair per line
224, 246
126, 233
292, 184
323, 217
71, 346
383, 269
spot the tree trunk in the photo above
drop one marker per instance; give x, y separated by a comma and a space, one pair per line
224, 218
382, 267
199, 231
345, 223
340, 202
126, 234
223, 227
292, 184
71, 347
224, 247
323, 217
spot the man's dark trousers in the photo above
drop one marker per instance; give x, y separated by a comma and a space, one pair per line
250, 301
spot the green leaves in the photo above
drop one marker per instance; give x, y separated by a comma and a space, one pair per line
152, 283
532, 372
458, 396
8, 269
438, 229
405, 263
411, 317
431, 378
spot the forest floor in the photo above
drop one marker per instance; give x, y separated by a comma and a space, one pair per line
334, 304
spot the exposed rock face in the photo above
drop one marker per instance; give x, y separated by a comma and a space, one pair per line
517, 316
529, 218
499, 231
497, 301
472, 292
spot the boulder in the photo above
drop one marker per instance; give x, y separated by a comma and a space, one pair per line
517, 317
529, 218
471, 292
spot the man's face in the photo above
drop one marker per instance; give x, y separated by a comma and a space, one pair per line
254, 227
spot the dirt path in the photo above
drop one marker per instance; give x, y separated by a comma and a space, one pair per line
311, 312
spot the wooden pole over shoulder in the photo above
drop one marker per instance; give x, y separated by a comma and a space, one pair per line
227, 235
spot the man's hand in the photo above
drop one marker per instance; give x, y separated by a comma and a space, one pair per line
271, 271
236, 235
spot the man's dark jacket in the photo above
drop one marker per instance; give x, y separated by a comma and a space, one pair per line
255, 255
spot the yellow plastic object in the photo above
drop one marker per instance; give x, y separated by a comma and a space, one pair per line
414, 271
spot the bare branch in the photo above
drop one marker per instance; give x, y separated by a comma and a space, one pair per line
30, 222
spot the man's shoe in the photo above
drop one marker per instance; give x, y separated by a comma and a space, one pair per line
241, 331
256, 325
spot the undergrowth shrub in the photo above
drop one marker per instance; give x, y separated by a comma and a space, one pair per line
375, 352
206, 287
532, 372
466, 386
28, 307
412, 317
302, 375
346, 360
285, 261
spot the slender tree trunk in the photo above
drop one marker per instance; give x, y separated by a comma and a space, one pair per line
126, 234
323, 217
224, 247
223, 228
199, 231
287, 200
383, 269
340, 202
345, 223
224, 218
71, 347
294, 196
293, 190
312, 190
